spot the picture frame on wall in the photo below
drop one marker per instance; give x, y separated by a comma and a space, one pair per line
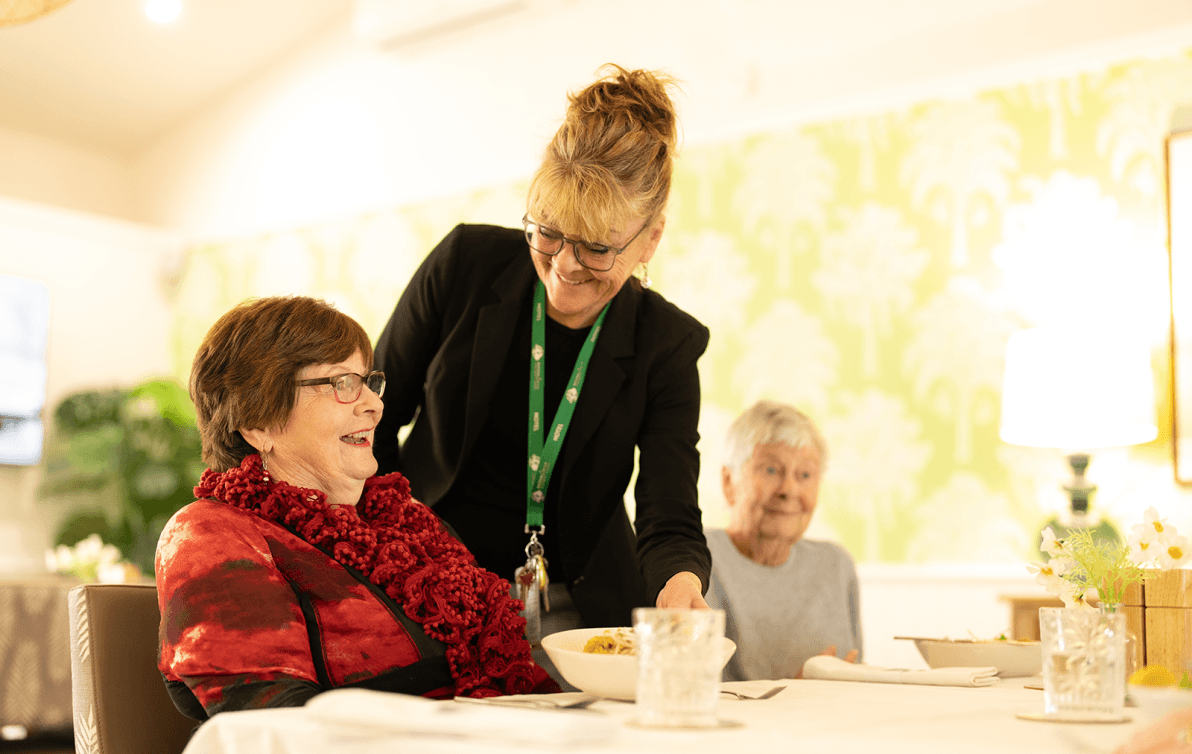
24, 337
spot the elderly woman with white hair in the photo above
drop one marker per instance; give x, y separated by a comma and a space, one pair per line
787, 598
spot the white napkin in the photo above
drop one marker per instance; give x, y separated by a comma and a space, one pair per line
414, 715
829, 668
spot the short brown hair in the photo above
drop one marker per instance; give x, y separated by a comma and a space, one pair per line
246, 371
611, 160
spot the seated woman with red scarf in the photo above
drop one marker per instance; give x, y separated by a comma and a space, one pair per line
297, 570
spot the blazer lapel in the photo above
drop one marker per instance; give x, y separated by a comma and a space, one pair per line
494, 332
604, 377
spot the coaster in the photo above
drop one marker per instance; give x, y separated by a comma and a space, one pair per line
1060, 719
720, 725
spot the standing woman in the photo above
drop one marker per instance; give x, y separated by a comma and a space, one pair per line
533, 364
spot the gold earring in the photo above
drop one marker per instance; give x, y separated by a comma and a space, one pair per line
646, 281
265, 463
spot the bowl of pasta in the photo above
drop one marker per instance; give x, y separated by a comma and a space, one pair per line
603, 661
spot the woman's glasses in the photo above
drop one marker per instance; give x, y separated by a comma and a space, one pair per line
594, 256
348, 386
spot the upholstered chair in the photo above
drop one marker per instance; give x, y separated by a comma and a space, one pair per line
120, 701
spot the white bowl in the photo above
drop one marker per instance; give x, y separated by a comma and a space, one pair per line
1157, 701
1011, 658
613, 676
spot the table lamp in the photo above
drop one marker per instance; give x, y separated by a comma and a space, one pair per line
1077, 389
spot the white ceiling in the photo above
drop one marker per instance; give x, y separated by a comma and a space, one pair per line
99, 72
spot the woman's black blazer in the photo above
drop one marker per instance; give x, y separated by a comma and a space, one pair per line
442, 352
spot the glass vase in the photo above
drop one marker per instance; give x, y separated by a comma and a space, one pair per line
1084, 662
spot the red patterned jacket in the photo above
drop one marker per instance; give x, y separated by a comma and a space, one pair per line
254, 616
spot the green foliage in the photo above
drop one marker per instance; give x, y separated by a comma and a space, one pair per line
134, 451
1102, 531
1101, 564
83, 524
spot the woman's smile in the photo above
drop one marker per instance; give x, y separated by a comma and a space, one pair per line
363, 438
567, 280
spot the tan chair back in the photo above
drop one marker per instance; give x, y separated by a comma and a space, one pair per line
121, 705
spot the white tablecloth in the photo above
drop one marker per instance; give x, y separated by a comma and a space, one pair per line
808, 716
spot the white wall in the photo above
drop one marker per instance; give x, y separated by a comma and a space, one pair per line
935, 600
109, 325
67, 175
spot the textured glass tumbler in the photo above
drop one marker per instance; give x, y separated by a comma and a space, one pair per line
1084, 662
679, 659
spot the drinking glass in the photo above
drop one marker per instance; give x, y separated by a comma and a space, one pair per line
680, 658
1084, 662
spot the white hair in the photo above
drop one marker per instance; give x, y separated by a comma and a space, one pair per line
769, 422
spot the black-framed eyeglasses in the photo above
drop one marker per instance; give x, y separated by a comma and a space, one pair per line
595, 256
349, 385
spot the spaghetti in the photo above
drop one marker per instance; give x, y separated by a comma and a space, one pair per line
614, 641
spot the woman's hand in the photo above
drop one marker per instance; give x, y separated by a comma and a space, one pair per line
1170, 733
830, 650
683, 591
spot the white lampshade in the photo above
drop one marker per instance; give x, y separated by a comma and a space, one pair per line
1074, 390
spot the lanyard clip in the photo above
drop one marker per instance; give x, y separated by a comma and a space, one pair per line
534, 547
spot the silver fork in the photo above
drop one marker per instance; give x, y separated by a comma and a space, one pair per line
767, 695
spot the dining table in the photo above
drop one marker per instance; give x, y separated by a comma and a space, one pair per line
805, 716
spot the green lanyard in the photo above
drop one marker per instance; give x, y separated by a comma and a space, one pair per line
544, 452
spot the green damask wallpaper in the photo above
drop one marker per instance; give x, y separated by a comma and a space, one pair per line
868, 270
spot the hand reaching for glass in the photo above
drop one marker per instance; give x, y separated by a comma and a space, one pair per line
683, 591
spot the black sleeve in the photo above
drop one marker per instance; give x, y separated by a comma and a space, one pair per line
669, 525
409, 343
285, 692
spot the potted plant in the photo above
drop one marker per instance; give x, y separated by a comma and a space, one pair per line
127, 459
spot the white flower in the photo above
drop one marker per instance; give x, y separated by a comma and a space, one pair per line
64, 557
88, 560
1073, 597
1175, 552
109, 555
89, 549
534, 461
537, 352
112, 573
571, 395
1145, 543
1049, 575
1159, 525
1051, 545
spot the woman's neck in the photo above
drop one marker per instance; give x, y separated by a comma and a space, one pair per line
345, 493
576, 321
766, 551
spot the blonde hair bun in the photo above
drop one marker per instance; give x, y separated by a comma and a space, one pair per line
611, 161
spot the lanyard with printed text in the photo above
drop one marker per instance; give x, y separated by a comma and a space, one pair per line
543, 449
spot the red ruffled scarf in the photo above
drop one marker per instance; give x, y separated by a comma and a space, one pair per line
402, 547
